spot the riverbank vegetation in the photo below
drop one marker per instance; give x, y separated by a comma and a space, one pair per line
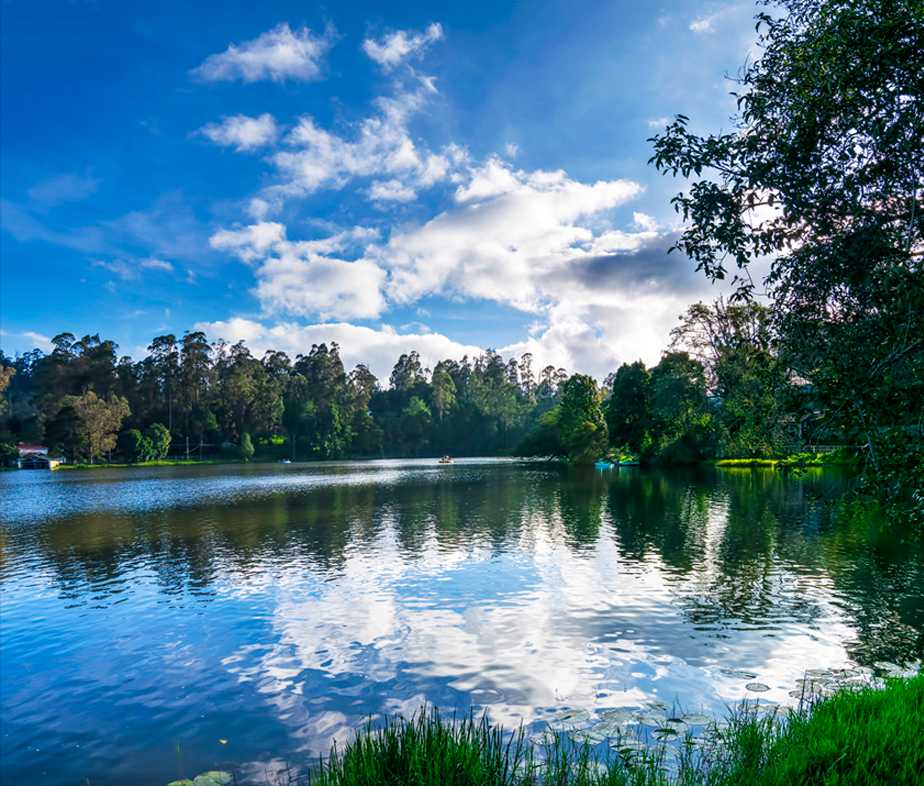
857, 737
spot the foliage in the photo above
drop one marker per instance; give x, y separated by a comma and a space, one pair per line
133, 446
245, 449
95, 423
158, 439
823, 174
738, 351
628, 409
581, 425
680, 418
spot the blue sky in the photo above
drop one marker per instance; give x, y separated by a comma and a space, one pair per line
390, 176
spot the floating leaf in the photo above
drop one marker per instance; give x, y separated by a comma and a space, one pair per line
213, 778
757, 687
738, 674
184, 782
222, 742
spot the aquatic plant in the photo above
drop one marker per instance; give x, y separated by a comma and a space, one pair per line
857, 737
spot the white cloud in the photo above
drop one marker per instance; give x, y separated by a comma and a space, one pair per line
707, 23
277, 54
120, 267
301, 278
644, 222
510, 231
379, 149
391, 191
658, 122
67, 187
382, 149
130, 269
157, 264
329, 288
242, 132
378, 348
391, 50
25, 341
251, 242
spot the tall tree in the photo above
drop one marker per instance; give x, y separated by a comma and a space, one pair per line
580, 422
628, 409
680, 413
824, 173
96, 424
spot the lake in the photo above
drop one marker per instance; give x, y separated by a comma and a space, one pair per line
160, 622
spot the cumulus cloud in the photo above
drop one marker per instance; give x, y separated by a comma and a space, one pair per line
391, 50
277, 54
536, 241
510, 230
378, 348
382, 148
302, 278
242, 132
391, 191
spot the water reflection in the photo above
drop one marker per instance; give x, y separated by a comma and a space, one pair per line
148, 615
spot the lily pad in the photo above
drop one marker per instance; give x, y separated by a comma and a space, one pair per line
697, 719
738, 674
593, 736
213, 778
665, 732
184, 782
757, 687
618, 715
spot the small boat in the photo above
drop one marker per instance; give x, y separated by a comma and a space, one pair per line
284, 461
446, 460
603, 464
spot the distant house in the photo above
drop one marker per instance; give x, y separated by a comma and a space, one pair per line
33, 456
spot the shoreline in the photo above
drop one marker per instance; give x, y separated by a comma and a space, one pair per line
798, 460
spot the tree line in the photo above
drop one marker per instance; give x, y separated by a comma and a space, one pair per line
719, 390
195, 399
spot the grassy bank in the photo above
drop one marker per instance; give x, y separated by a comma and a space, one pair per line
141, 464
862, 737
794, 461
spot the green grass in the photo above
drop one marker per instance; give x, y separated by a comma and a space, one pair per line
864, 737
158, 463
792, 461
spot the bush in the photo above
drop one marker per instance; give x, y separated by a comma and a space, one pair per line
133, 446
246, 447
158, 437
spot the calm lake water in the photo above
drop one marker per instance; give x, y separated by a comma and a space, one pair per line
149, 614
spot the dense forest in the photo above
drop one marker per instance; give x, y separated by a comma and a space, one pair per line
820, 180
719, 391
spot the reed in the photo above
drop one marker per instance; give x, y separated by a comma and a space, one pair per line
860, 737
